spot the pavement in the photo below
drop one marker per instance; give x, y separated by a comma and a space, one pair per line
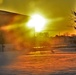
17, 63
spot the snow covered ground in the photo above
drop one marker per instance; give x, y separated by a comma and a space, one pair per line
18, 63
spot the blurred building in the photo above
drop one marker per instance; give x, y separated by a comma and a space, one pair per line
8, 19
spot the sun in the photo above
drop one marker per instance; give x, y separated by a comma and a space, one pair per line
37, 21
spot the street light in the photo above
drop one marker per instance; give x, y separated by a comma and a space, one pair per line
36, 22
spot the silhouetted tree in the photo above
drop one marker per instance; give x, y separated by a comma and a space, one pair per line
74, 19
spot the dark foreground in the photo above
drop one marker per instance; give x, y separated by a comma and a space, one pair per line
17, 63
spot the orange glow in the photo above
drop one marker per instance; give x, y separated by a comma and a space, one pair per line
15, 37
36, 53
39, 65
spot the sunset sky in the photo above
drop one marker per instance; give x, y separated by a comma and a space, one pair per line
58, 12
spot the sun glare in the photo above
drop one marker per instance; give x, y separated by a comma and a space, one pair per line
37, 21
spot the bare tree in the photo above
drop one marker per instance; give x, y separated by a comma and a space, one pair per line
74, 18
